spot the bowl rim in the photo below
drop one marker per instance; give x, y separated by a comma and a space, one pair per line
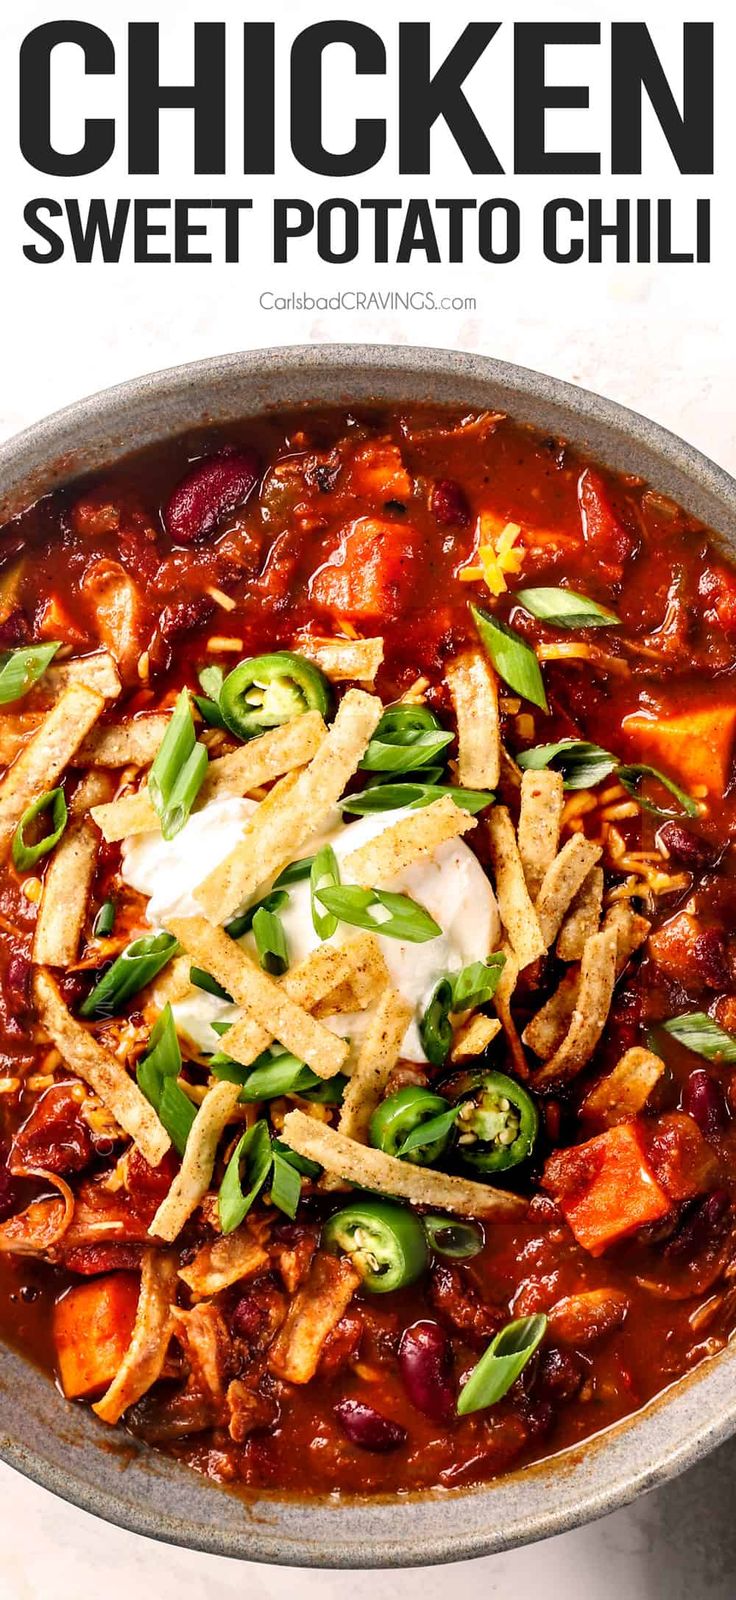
678, 1426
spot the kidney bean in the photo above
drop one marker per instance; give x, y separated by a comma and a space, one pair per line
559, 1374
9, 1195
212, 489
703, 1099
18, 984
425, 1362
448, 504
15, 629
686, 847
366, 1427
703, 1230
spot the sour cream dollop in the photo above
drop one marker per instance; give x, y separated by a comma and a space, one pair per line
450, 884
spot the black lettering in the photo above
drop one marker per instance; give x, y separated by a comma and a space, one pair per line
147, 97
32, 216
259, 115
418, 233
284, 229
553, 250
703, 215
232, 210
456, 225
509, 250
307, 94
380, 209
533, 96
185, 230
636, 68
35, 99
85, 235
145, 230
326, 214
424, 97
598, 230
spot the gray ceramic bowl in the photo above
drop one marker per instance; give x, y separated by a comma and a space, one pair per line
63, 1447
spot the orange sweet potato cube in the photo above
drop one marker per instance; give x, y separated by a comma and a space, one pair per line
693, 747
92, 1326
606, 1187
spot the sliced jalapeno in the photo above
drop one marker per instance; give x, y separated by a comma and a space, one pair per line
386, 1243
265, 691
497, 1122
401, 1115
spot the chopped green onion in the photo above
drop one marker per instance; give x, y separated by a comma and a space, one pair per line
274, 1075
270, 942
435, 1028
209, 711
26, 855
327, 1091
513, 659
20, 669
104, 922
565, 608
582, 765
177, 1114
699, 1033
428, 1132
136, 966
163, 1053
157, 1073
457, 1240
394, 915
178, 771
286, 1186
296, 872
500, 1366
324, 874
385, 756
211, 679
631, 777
252, 1157
477, 983
204, 980
391, 796
308, 1169
243, 924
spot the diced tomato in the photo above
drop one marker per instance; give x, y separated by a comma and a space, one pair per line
376, 472
92, 1326
372, 573
603, 529
684, 1162
693, 746
606, 1188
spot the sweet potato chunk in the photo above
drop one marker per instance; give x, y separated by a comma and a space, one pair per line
376, 471
606, 1188
371, 573
92, 1327
694, 746
581, 1319
690, 952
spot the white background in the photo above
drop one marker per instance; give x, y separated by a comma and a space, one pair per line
661, 339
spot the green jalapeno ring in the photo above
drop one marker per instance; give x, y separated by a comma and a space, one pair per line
397, 1116
498, 1121
266, 691
385, 1242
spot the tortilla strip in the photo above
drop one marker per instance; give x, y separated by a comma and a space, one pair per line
125, 744
540, 815
378, 1055
561, 883
44, 760
597, 978
16, 729
474, 1036
313, 1313
69, 879
624, 1091
89, 1060
274, 836
631, 931
517, 912
583, 917
98, 671
344, 660
546, 1031
372, 1169
264, 1000
258, 762
172, 983
358, 962
367, 979
473, 687
198, 1164
44, 1223
223, 1262
404, 842
502, 1003
144, 1358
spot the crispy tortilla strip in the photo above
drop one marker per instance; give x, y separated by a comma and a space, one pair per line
69, 879
561, 883
358, 962
195, 1173
546, 1031
16, 729
502, 1003
144, 1359
473, 687
631, 931
344, 660
474, 1036
583, 917
597, 978
173, 983
42, 762
399, 846
225, 1261
624, 1092
540, 815
264, 1000
274, 836
98, 671
125, 744
89, 1061
44, 1223
371, 1169
378, 1055
517, 912
313, 1313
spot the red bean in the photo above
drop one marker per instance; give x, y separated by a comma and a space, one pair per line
18, 984
449, 505
686, 847
703, 1099
366, 1427
9, 1192
425, 1362
211, 490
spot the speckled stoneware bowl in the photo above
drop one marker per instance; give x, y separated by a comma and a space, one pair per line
63, 1446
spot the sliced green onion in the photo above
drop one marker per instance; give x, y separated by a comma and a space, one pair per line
427, 1132
394, 915
104, 922
385, 756
184, 793
20, 669
500, 1366
324, 874
136, 966
157, 1073
582, 765
286, 1186
275, 1075
243, 924
699, 1033
211, 679
513, 659
327, 1091
477, 983
177, 1114
435, 1028
565, 608
209, 711
460, 1241
163, 1053
251, 1158
270, 942
296, 872
26, 855
205, 981
631, 777
391, 796
178, 771
308, 1169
